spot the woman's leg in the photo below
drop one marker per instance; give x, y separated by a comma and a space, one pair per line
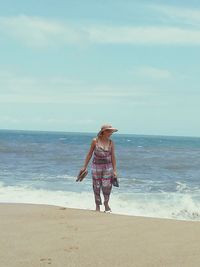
96, 175
106, 188
97, 196
107, 184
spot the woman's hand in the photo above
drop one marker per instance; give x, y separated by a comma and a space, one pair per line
115, 173
83, 169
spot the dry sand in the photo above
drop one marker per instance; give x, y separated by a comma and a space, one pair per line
41, 235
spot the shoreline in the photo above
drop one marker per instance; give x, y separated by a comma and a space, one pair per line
91, 210
45, 235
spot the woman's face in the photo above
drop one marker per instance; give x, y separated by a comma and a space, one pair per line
107, 133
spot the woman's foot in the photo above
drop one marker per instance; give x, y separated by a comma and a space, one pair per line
97, 208
107, 208
107, 211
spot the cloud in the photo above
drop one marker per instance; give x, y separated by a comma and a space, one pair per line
179, 15
15, 83
16, 88
153, 73
155, 35
41, 32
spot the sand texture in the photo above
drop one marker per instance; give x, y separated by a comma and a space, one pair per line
41, 235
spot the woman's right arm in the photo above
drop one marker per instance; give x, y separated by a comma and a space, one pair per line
89, 154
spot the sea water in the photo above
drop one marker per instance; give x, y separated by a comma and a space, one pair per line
159, 176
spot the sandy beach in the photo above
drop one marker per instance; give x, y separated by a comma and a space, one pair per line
41, 235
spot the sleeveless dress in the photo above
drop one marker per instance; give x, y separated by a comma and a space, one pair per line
102, 172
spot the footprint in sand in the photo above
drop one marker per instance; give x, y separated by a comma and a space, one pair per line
69, 226
48, 260
64, 237
71, 248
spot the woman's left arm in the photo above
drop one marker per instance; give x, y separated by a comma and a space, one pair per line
113, 158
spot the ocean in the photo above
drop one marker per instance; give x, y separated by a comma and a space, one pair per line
159, 176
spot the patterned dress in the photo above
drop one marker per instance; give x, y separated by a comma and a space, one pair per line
102, 172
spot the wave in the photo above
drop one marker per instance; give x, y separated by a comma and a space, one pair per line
157, 205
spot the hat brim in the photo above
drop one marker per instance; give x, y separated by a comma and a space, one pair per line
112, 129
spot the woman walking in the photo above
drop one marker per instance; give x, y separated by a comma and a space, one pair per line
103, 165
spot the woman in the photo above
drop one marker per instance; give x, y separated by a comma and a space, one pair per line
103, 165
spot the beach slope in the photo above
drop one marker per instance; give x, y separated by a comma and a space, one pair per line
41, 235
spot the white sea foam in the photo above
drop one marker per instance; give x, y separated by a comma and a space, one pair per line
157, 205
182, 187
26, 194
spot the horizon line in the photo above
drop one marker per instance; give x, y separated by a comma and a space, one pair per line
76, 132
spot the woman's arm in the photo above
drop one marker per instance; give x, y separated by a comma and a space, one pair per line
89, 154
113, 158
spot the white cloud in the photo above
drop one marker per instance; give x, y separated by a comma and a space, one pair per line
181, 15
42, 32
15, 88
153, 73
145, 35
11, 82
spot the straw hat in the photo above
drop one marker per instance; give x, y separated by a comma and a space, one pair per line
106, 127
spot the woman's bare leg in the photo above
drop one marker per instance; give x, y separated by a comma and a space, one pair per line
106, 188
97, 207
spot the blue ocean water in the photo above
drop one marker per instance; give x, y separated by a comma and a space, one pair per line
159, 176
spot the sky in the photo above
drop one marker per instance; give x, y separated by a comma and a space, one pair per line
75, 65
